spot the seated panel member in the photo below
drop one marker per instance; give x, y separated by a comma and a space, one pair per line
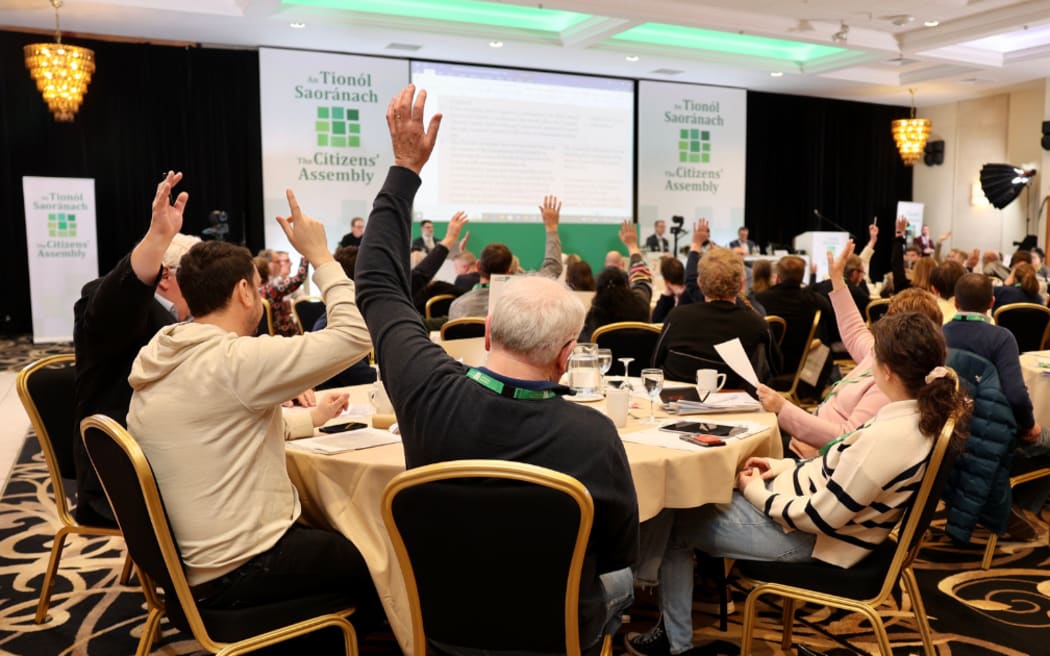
656, 242
745, 245
511, 410
206, 411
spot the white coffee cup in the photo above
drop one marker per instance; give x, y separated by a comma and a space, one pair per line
708, 381
617, 402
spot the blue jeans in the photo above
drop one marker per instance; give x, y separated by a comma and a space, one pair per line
733, 530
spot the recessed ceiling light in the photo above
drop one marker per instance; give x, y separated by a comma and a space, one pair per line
297, 25
932, 23
777, 74
631, 58
495, 44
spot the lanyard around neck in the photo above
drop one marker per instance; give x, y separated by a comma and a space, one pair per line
972, 316
507, 390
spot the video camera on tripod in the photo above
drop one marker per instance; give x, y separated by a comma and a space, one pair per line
677, 230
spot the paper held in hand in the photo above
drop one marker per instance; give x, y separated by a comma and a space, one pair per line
732, 352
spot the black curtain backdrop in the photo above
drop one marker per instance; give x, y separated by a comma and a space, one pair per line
834, 156
153, 108
148, 109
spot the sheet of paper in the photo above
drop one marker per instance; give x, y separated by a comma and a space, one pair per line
732, 352
717, 402
363, 438
357, 410
656, 437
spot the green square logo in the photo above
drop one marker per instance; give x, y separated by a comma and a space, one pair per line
694, 146
333, 125
62, 225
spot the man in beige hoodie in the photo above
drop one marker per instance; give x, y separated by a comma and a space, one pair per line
206, 411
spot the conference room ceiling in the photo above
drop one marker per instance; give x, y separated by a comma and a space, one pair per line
850, 49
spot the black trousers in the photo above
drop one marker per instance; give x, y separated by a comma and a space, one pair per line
305, 563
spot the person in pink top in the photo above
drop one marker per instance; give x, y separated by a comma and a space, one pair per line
855, 399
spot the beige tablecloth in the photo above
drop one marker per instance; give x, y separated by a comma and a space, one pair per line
343, 491
1038, 381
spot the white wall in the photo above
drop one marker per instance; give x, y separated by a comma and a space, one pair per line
1000, 128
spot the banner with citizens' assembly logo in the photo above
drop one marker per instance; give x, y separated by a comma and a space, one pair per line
62, 248
692, 143
324, 135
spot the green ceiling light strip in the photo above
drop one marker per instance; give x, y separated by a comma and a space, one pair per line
463, 11
737, 44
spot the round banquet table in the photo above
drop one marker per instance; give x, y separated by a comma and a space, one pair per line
342, 492
1037, 379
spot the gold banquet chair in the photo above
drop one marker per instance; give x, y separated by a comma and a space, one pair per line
46, 390
132, 490
777, 328
866, 585
463, 328
437, 306
635, 339
811, 344
266, 320
876, 309
1029, 323
307, 311
476, 564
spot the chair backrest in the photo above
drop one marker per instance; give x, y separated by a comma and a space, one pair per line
46, 388
437, 306
777, 327
876, 309
308, 310
131, 488
917, 517
1029, 322
266, 320
483, 544
809, 345
628, 339
463, 328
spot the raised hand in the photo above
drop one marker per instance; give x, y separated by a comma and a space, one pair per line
550, 210
873, 234
412, 145
455, 225
943, 237
902, 226
629, 236
166, 219
463, 242
701, 234
306, 235
837, 265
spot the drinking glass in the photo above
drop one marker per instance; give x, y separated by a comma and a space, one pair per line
626, 373
653, 379
605, 359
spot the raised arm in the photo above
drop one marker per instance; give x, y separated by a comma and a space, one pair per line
550, 210
640, 277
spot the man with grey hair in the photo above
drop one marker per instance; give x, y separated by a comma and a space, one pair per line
509, 410
116, 316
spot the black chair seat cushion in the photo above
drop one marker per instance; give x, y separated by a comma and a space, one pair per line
862, 581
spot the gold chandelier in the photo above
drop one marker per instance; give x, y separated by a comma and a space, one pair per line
62, 72
911, 134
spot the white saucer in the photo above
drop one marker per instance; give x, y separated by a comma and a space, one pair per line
584, 398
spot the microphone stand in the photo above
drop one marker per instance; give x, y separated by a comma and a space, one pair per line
821, 218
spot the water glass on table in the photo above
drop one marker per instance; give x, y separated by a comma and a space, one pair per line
653, 380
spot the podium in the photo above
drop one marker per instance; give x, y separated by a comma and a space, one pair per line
817, 244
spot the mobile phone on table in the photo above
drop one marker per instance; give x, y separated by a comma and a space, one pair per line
342, 428
704, 428
703, 440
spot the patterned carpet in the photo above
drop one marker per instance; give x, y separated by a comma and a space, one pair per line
17, 352
1004, 611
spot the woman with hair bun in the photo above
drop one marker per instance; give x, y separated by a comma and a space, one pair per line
1021, 287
